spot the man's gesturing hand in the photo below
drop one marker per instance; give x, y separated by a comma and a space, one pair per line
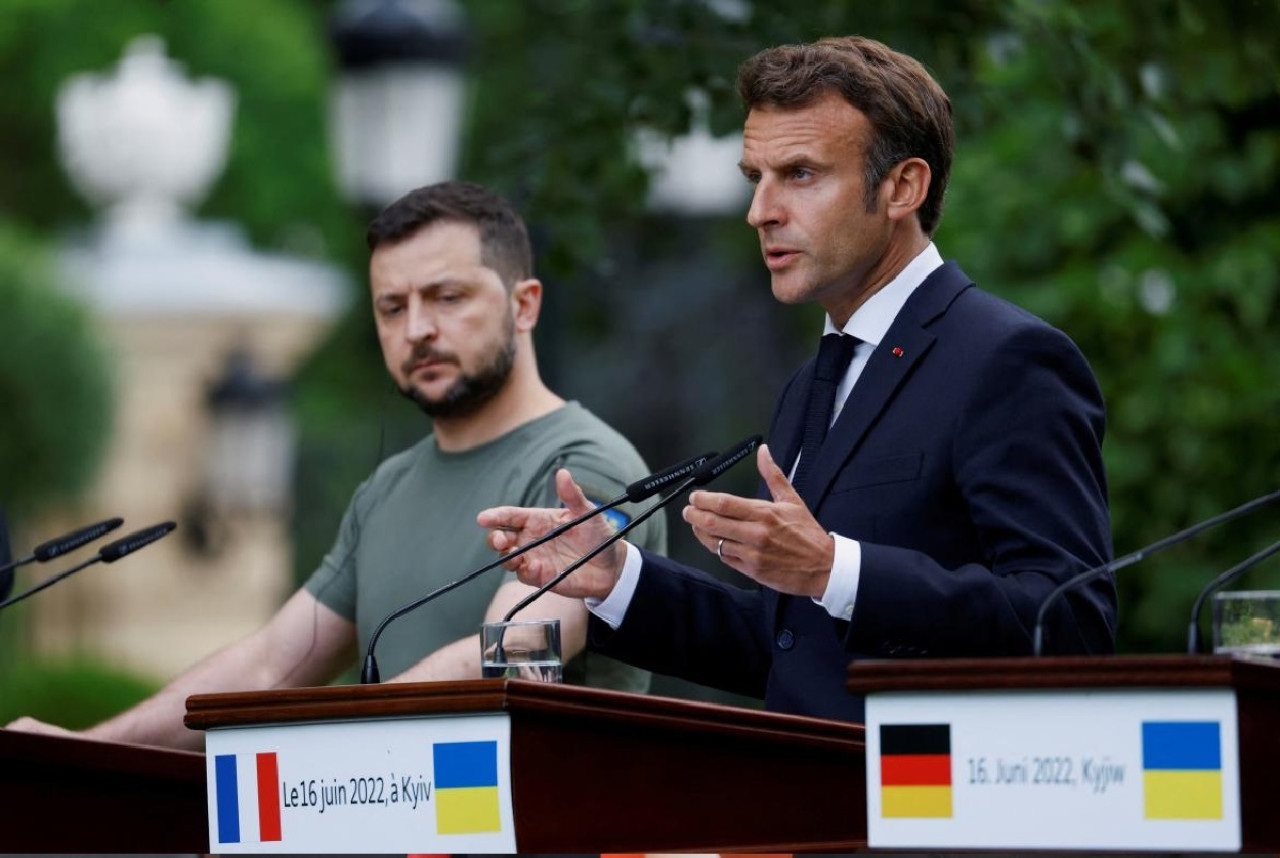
777, 543
511, 526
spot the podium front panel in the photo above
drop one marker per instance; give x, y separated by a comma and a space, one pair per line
71, 795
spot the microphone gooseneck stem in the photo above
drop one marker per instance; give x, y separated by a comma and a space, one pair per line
14, 564
586, 558
1193, 630
1140, 554
1082, 578
48, 582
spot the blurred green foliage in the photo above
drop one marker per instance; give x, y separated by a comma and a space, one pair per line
1120, 184
55, 383
74, 694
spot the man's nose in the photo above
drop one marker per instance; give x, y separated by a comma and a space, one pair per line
421, 322
765, 209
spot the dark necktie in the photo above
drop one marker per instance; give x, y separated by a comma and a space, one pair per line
834, 355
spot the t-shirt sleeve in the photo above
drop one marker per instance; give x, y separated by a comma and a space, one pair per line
333, 584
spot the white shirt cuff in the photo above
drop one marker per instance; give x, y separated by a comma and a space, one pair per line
613, 608
842, 587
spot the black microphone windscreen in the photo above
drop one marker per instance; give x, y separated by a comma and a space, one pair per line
71, 541
113, 551
656, 482
713, 469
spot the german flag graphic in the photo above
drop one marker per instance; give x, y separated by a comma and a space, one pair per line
915, 771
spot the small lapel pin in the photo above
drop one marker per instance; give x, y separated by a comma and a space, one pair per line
897, 351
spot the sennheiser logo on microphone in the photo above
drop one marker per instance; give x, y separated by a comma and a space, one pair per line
672, 477
724, 466
735, 458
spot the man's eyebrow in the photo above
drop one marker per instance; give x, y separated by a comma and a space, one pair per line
806, 161
461, 283
448, 282
803, 160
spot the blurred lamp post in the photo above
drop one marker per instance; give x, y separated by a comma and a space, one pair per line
398, 105
251, 438
248, 456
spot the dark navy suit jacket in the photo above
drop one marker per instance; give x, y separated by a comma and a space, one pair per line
967, 462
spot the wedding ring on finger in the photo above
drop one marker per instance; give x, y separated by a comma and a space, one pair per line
720, 549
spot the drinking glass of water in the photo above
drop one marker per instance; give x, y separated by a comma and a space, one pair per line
525, 649
1247, 622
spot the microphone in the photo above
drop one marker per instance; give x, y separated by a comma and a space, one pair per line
66, 543
701, 477
109, 553
1130, 559
1193, 630
640, 490
713, 469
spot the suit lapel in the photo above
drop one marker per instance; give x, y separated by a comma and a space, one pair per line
903, 346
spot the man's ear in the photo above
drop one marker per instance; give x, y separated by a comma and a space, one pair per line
526, 304
906, 187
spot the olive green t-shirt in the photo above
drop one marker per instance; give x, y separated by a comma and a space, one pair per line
411, 527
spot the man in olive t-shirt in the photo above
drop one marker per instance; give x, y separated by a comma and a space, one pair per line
455, 302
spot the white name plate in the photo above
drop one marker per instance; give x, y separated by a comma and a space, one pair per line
1106, 769
417, 785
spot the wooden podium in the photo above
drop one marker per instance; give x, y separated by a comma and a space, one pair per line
75, 795
1255, 684
595, 771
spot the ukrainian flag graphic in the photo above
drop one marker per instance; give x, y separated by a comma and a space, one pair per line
1182, 769
466, 787
915, 771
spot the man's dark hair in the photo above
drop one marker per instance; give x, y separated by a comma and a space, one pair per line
910, 115
504, 241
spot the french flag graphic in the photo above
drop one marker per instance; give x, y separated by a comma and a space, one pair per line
248, 796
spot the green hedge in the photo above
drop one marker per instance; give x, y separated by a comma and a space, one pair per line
55, 383
74, 694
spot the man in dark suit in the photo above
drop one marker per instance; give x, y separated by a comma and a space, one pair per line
941, 467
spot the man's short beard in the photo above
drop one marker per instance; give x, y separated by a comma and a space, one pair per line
470, 392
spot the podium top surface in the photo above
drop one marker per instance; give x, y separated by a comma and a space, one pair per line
85, 755
1066, 672
242, 709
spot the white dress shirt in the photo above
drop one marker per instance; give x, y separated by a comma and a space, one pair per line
869, 324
